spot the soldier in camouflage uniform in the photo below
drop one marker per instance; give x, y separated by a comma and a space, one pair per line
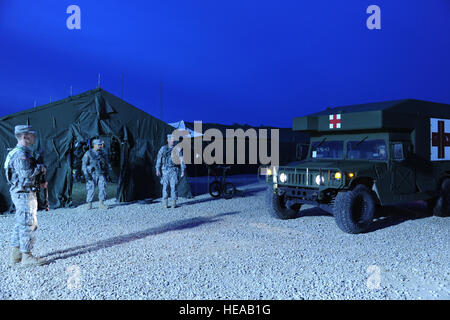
77, 160
169, 171
96, 169
22, 173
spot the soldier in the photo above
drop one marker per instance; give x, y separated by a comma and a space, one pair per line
80, 149
96, 170
22, 174
169, 170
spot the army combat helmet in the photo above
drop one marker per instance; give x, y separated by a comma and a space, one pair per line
23, 129
98, 142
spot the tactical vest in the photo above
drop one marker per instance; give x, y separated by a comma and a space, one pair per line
99, 161
166, 158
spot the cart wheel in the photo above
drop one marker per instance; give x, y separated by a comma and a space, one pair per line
229, 190
215, 189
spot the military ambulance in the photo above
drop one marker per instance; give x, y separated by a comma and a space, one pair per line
362, 157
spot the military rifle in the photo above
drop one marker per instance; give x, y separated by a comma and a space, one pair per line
42, 179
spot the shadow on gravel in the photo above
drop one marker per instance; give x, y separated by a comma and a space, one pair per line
313, 212
83, 206
393, 215
251, 192
385, 217
189, 203
107, 243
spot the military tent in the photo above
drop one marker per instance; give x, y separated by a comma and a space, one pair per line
134, 136
181, 125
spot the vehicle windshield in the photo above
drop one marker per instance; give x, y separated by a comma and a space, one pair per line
327, 149
367, 150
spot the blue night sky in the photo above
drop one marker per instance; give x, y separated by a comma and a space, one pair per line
234, 61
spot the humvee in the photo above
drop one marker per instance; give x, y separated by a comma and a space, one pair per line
363, 157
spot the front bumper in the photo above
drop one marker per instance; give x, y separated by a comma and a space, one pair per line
312, 196
309, 195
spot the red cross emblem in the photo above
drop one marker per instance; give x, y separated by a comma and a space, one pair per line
335, 121
440, 139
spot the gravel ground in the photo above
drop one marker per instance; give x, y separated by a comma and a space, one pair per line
228, 249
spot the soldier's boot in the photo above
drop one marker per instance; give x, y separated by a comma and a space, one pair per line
29, 260
89, 206
16, 256
102, 205
174, 203
165, 203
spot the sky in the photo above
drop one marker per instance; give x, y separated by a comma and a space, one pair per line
236, 61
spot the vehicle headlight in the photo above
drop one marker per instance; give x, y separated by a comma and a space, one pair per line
268, 172
351, 175
319, 179
338, 175
283, 177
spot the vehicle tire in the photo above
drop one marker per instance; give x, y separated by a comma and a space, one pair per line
431, 204
215, 189
278, 208
228, 190
354, 210
442, 206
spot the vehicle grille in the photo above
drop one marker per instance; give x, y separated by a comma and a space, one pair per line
307, 177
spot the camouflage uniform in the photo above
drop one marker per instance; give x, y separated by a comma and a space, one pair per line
169, 170
22, 170
95, 168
